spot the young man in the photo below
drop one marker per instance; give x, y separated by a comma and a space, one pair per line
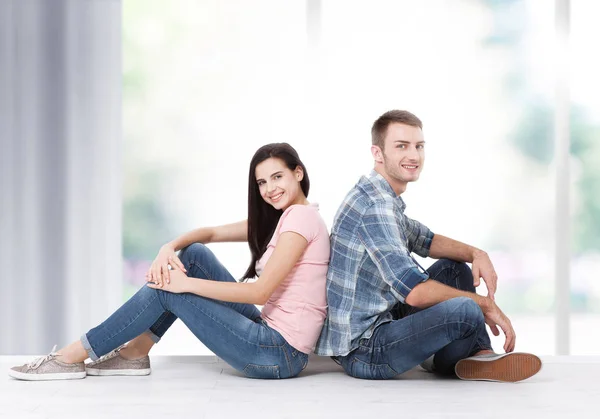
386, 313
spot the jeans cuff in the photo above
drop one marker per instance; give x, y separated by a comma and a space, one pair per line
154, 337
481, 346
88, 347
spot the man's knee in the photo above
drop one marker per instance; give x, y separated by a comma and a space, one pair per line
467, 310
464, 277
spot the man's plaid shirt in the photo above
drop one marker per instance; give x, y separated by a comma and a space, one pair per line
371, 268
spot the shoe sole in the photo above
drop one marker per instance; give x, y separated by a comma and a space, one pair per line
47, 377
130, 372
510, 368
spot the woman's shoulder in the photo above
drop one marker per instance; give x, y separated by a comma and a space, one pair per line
307, 212
306, 217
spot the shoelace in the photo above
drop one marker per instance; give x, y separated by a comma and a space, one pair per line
35, 364
110, 355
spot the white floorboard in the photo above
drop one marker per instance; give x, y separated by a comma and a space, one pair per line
203, 387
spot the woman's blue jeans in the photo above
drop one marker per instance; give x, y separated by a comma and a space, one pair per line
235, 332
451, 330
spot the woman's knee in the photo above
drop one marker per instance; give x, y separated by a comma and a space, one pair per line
195, 253
147, 293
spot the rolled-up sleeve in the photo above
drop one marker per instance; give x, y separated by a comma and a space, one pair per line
380, 234
419, 237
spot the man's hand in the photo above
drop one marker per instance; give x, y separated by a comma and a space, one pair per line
494, 317
483, 268
178, 283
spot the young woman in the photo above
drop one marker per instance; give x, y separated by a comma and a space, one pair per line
289, 243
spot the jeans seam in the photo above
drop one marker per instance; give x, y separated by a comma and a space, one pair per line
445, 268
226, 326
421, 331
285, 354
287, 360
371, 364
129, 323
455, 267
199, 266
160, 321
194, 262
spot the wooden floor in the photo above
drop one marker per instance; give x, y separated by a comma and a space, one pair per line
198, 387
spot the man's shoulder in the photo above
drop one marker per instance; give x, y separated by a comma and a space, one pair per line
363, 199
364, 195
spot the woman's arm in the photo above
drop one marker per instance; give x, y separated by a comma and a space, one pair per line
236, 232
290, 246
159, 272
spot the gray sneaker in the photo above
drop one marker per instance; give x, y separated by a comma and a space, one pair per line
427, 365
511, 367
48, 368
114, 364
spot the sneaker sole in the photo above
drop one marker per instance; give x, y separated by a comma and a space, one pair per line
130, 372
510, 368
46, 377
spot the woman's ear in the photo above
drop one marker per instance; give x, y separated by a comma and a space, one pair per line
299, 173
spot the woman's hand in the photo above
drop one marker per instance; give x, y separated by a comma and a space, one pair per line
178, 283
159, 270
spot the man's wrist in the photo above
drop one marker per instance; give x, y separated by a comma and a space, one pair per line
477, 253
483, 302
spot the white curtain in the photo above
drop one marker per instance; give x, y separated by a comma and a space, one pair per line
60, 170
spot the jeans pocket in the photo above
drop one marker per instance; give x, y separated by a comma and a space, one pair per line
304, 361
301, 360
262, 371
361, 369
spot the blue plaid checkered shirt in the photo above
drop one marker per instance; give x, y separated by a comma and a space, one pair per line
371, 267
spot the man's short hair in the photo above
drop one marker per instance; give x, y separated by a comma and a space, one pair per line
382, 123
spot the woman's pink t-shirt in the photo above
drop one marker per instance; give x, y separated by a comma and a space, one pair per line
298, 306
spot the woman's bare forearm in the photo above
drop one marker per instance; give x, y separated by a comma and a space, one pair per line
233, 292
199, 235
236, 232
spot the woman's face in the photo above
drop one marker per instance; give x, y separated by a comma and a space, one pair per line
278, 185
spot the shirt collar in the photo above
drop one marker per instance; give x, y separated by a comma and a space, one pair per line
384, 187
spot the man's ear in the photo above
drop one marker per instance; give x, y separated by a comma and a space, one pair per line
377, 153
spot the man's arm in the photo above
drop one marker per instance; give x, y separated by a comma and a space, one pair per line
431, 292
380, 234
445, 247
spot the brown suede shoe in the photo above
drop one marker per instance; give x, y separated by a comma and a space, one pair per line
511, 367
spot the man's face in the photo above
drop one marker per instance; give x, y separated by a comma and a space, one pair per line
404, 152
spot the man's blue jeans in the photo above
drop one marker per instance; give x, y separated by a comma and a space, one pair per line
233, 331
451, 330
